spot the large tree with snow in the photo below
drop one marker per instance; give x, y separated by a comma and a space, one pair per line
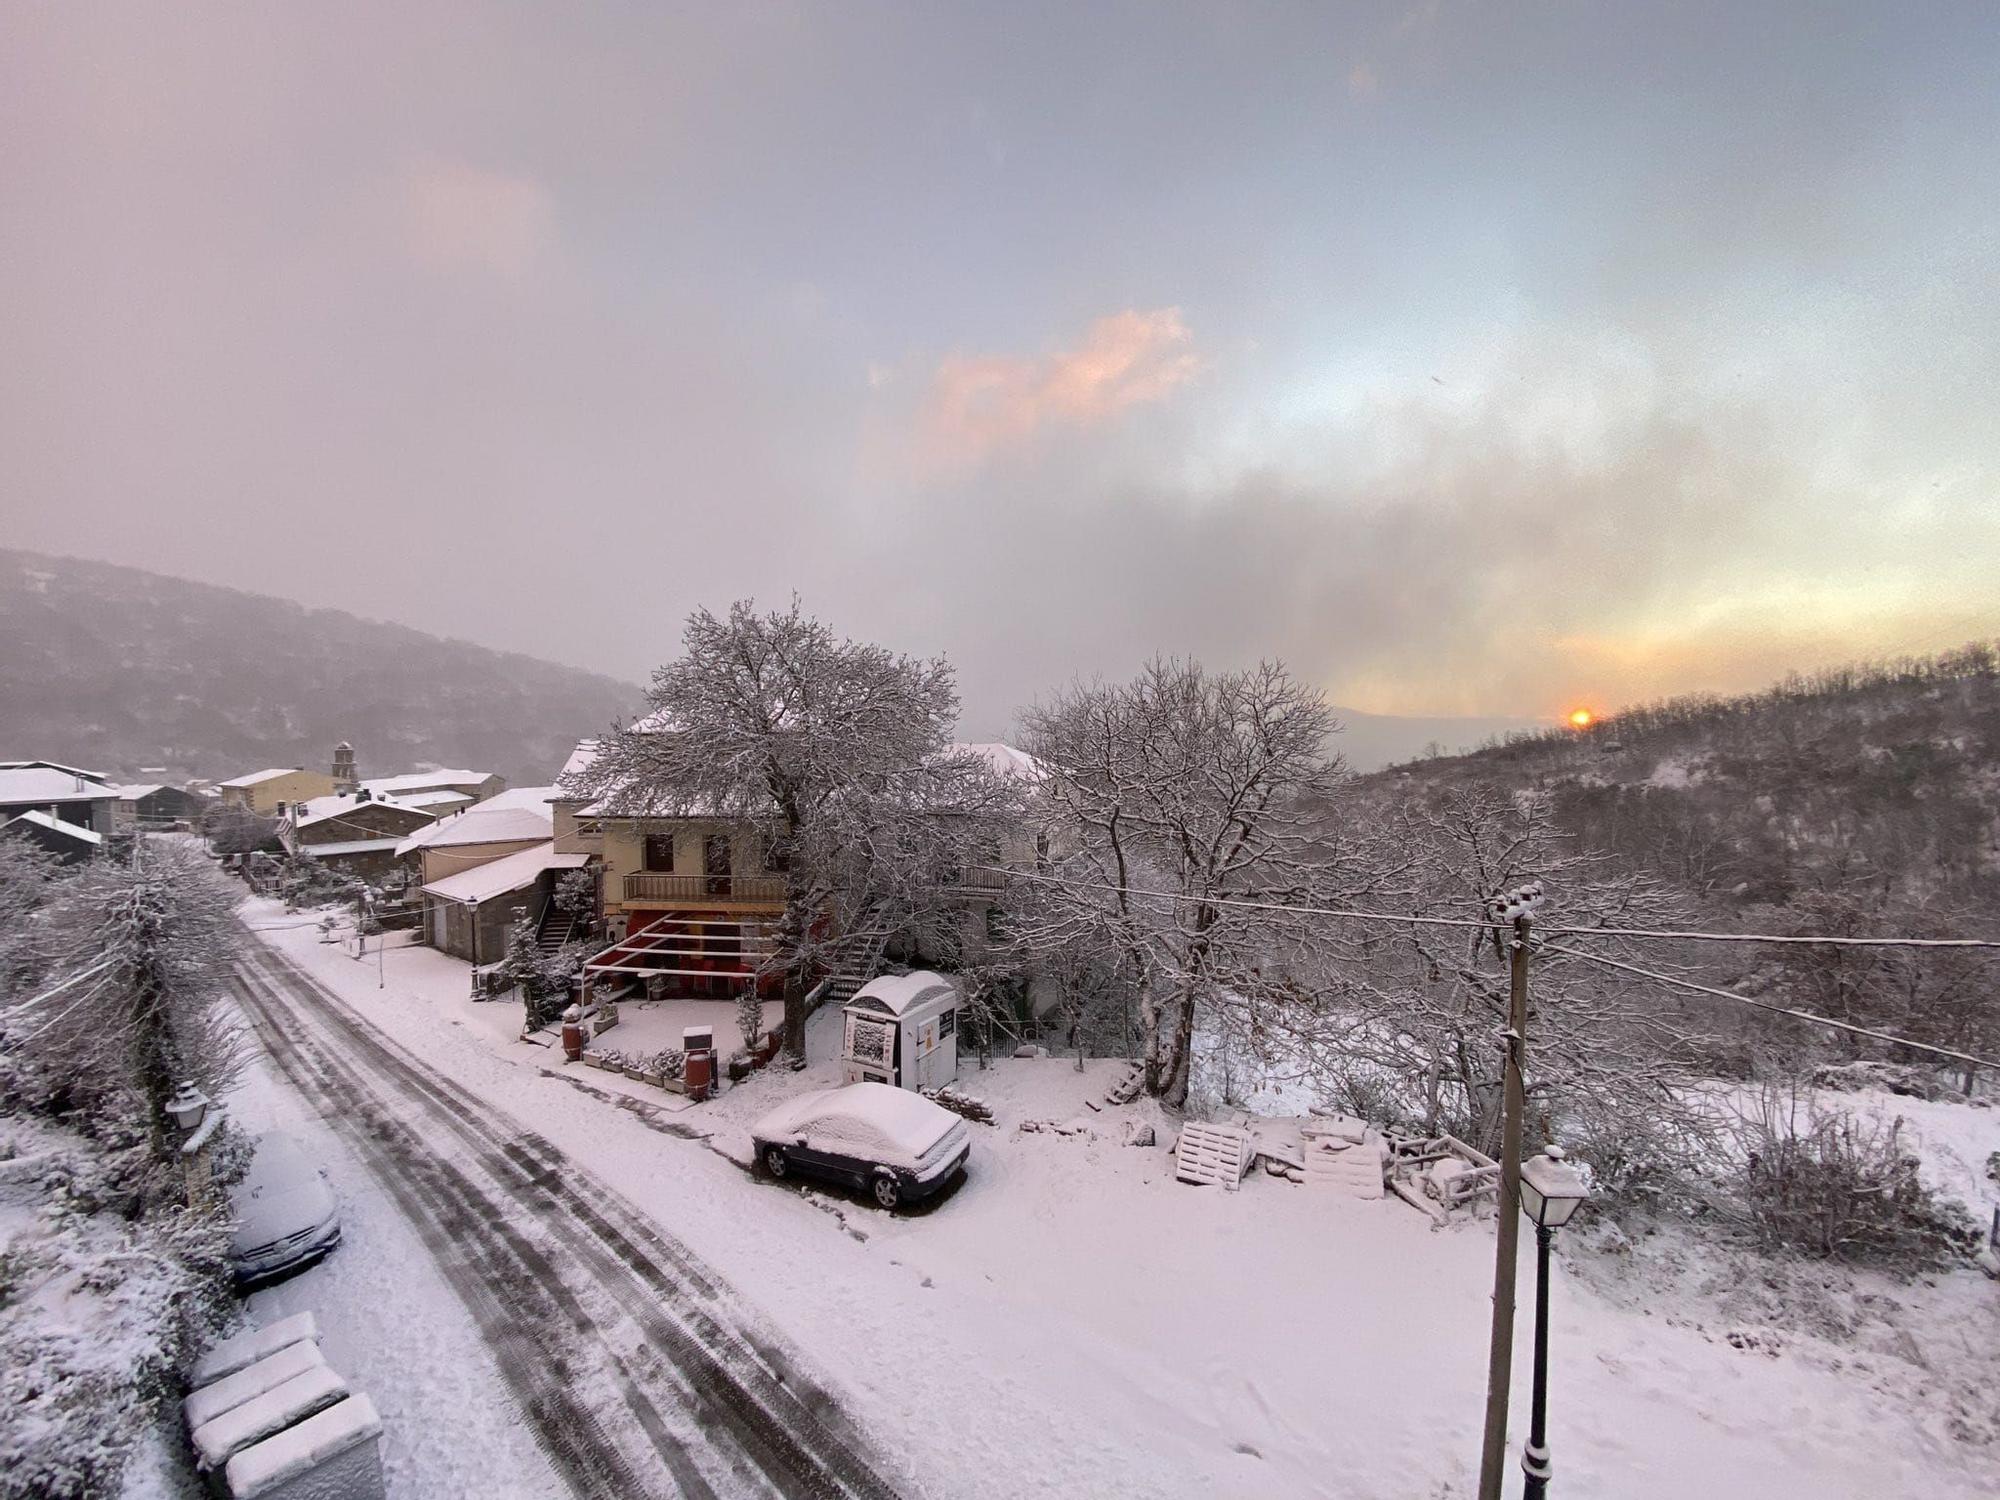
1208, 787
129, 961
837, 752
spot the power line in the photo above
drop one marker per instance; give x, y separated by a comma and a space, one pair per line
1782, 1010
1886, 941
56, 989
1400, 919
1395, 918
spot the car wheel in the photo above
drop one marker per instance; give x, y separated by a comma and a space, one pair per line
775, 1162
888, 1191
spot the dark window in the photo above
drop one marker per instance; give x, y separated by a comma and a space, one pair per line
715, 863
660, 852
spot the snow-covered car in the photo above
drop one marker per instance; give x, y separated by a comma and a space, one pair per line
892, 1143
286, 1216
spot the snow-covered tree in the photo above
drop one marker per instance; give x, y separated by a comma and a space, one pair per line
135, 958
238, 830
836, 752
749, 1017
1209, 787
1409, 1025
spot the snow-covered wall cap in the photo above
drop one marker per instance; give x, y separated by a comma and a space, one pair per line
269, 1465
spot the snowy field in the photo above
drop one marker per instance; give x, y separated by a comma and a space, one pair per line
1071, 1321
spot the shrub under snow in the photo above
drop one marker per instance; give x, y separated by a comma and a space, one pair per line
1828, 1184
105, 1288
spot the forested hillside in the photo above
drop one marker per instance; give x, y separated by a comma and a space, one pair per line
114, 668
1856, 801
1881, 776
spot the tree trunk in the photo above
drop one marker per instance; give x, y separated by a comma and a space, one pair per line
795, 1017
793, 928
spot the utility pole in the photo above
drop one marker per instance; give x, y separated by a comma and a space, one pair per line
1517, 906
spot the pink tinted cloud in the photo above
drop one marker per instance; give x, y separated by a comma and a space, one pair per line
980, 404
455, 214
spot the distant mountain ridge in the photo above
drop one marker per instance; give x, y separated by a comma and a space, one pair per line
116, 669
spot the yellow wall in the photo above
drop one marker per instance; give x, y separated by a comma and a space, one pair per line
624, 849
569, 838
294, 786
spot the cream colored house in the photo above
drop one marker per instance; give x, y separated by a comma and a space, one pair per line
264, 792
693, 900
479, 834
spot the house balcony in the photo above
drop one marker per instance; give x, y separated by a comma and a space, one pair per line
650, 888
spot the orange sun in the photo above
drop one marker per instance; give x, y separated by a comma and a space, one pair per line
1581, 718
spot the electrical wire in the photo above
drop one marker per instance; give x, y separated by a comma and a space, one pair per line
1398, 919
57, 988
1782, 1010
1233, 901
1808, 941
61, 1015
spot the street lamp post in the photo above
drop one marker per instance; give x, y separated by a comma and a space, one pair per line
1551, 1191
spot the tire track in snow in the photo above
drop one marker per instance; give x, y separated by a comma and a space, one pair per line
536, 1335
755, 1416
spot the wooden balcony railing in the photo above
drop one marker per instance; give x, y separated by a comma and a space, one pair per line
647, 885
981, 879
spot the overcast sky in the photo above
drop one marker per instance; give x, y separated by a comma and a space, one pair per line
1472, 358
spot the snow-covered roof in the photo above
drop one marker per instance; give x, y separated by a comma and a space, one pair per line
1003, 759
897, 993
256, 776
351, 846
41, 782
442, 801
343, 804
417, 781
522, 813
57, 825
140, 792
511, 872
51, 765
581, 759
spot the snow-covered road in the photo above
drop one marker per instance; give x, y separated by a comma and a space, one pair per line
639, 1370
1069, 1321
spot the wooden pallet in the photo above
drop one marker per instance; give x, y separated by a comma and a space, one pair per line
1212, 1153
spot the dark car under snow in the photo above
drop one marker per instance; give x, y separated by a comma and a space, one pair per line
897, 1146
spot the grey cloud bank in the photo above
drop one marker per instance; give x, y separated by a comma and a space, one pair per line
1475, 363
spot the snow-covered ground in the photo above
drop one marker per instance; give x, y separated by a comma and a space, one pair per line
1072, 1321
391, 1326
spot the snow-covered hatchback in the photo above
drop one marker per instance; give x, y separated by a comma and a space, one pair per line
286, 1216
889, 1142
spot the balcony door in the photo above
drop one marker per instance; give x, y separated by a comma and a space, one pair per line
715, 863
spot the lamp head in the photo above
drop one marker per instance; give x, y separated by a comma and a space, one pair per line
188, 1108
1551, 1189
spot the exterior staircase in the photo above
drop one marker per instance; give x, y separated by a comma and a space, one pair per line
858, 964
557, 928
